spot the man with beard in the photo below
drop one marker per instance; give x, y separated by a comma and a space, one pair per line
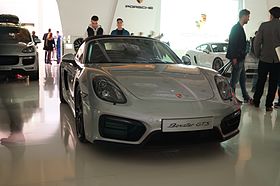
236, 54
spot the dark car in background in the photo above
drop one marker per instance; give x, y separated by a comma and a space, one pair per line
18, 53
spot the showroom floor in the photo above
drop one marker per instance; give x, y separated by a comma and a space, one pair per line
39, 148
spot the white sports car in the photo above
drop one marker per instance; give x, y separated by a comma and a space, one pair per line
127, 89
211, 55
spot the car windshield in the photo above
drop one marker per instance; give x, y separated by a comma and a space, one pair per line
219, 47
130, 50
14, 35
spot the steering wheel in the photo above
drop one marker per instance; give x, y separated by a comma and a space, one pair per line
77, 43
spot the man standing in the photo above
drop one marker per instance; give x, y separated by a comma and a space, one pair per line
236, 53
94, 28
58, 47
267, 39
45, 44
120, 30
34, 37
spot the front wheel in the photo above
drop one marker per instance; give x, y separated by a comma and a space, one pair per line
217, 64
79, 118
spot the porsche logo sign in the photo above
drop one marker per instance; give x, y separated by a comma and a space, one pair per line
139, 6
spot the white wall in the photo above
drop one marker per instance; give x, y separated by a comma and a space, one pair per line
272, 3
44, 14
15, 7
180, 22
75, 15
259, 13
145, 19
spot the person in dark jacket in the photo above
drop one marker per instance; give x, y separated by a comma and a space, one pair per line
50, 45
120, 30
94, 28
34, 37
45, 48
236, 53
266, 41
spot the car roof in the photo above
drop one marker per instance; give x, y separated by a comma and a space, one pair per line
116, 36
9, 18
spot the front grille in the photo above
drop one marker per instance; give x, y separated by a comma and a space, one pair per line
160, 138
231, 122
28, 61
120, 128
9, 60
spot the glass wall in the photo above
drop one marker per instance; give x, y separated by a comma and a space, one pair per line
186, 24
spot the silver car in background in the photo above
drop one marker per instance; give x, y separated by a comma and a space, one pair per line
128, 90
18, 53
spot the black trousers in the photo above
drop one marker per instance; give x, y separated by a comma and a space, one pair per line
264, 69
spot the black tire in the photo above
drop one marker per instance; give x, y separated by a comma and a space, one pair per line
79, 118
217, 64
62, 100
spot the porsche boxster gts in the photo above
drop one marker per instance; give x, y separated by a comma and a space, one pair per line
126, 89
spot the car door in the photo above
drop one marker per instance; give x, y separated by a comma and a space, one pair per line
204, 55
73, 69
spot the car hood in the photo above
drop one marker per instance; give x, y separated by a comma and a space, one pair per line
12, 48
161, 81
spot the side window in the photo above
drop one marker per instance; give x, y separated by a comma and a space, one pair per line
205, 47
163, 54
215, 48
208, 48
96, 53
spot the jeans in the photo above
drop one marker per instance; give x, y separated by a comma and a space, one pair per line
254, 80
238, 74
264, 69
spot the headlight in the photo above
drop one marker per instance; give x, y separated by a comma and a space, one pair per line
107, 90
29, 49
224, 87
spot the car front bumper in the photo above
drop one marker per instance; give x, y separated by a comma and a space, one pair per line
123, 125
19, 64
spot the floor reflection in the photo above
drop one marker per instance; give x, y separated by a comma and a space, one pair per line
19, 101
145, 164
39, 147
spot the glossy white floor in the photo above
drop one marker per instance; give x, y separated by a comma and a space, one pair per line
42, 150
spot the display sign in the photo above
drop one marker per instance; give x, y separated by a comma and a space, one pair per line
139, 16
191, 124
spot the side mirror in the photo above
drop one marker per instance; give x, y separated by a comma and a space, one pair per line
37, 40
69, 58
186, 60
